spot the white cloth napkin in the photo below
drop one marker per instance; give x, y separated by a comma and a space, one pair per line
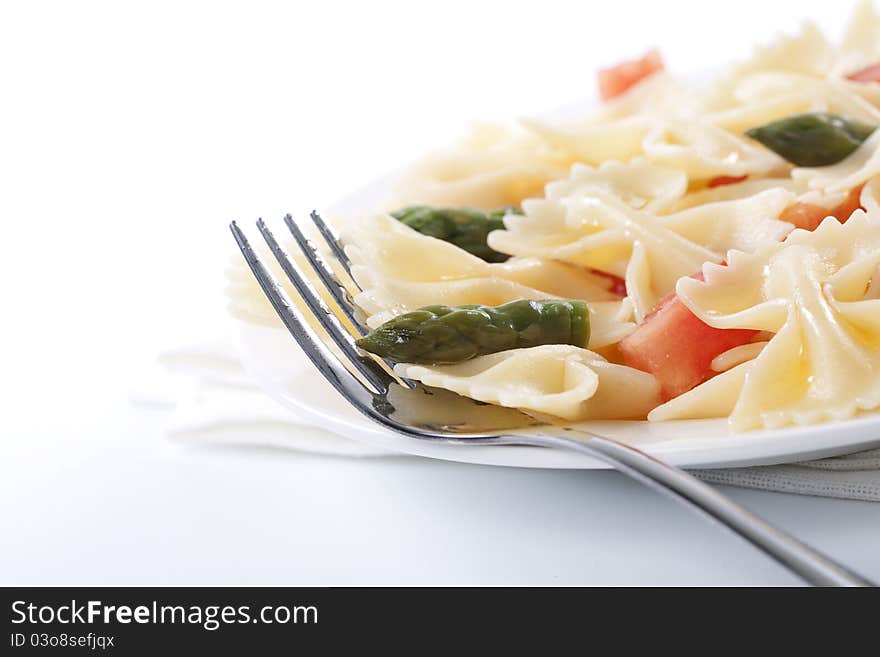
212, 400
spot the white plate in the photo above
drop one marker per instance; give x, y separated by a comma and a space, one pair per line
285, 373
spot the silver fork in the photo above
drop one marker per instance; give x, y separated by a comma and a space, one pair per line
368, 393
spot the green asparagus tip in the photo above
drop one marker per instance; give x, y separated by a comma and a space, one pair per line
814, 139
437, 335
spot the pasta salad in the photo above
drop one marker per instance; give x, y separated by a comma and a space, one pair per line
678, 253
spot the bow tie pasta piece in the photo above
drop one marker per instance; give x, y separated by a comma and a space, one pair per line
659, 95
557, 380
808, 52
245, 299
705, 151
768, 97
714, 398
743, 224
870, 198
616, 131
588, 226
610, 322
737, 355
597, 230
247, 302
850, 99
734, 192
494, 166
742, 117
594, 143
638, 183
823, 361
390, 249
860, 46
800, 73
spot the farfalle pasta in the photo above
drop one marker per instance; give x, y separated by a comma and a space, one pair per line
810, 292
492, 166
558, 380
704, 151
859, 47
588, 226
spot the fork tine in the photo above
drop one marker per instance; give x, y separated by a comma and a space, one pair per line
325, 273
296, 322
366, 366
331, 282
332, 241
318, 352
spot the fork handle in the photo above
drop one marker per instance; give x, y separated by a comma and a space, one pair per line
813, 567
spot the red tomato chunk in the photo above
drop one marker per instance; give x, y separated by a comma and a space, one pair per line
677, 347
868, 74
804, 215
617, 79
809, 216
850, 204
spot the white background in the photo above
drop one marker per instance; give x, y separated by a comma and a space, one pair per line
130, 134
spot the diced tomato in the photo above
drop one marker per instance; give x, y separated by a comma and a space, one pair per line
618, 285
808, 216
726, 180
850, 204
868, 74
804, 215
617, 79
677, 347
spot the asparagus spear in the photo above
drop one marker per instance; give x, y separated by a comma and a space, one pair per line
465, 227
451, 334
813, 140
